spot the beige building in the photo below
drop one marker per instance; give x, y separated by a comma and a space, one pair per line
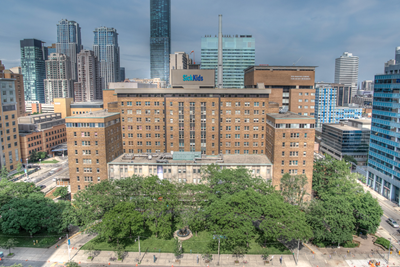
10, 147
290, 145
292, 87
184, 167
94, 139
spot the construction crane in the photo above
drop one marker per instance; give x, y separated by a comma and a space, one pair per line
194, 57
294, 63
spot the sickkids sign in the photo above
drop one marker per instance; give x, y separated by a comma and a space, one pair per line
194, 78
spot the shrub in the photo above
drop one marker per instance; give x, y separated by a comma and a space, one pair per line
382, 241
350, 244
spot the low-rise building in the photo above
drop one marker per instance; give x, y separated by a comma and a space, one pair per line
41, 133
351, 112
185, 167
94, 139
350, 139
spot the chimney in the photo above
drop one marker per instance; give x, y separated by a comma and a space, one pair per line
220, 68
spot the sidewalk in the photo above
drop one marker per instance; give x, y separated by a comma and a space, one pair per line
322, 258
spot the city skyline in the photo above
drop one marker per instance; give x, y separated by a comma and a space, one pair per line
315, 38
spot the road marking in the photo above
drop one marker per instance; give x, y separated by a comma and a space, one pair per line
385, 216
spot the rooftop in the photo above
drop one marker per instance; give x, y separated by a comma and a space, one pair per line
99, 114
93, 103
191, 158
253, 68
346, 127
192, 91
288, 115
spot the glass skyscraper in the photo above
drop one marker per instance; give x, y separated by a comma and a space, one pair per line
160, 38
384, 147
69, 42
238, 53
33, 56
106, 50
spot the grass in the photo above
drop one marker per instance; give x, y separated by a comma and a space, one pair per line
44, 239
193, 245
50, 161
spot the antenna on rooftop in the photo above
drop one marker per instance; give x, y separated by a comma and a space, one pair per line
294, 63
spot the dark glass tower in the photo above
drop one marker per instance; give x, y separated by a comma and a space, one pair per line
33, 56
160, 38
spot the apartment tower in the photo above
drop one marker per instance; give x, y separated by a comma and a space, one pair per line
88, 87
58, 82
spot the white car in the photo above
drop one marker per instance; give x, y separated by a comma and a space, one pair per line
393, 223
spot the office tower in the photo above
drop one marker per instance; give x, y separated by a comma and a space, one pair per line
88, 87
350, 139
16, 73
178, 61
343, 92
346, 71
69, 42
51, 49
106, 50
9, 150
238, 54
325, 105
384, 146
33, 56
122, 74
160, 39
58, 82
93, 140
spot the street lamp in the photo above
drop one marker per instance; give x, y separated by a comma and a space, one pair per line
26, 169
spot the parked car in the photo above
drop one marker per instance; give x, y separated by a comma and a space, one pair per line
42, 186
393, 223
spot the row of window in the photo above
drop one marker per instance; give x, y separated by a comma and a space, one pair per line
294, 135
192, 104
293, 171
293, 163
294, 144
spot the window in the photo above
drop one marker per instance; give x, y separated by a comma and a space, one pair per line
77, 178
305, 135
304, 154
305, 144
283, 163
283, 144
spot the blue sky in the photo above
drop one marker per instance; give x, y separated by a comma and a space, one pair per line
285, 30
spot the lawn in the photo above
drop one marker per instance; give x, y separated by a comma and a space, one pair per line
193, 245
44, 239
50, 161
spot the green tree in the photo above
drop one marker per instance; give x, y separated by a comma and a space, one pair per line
177, 248
264, 253
19, 167
10, 190
61, 192
120, 222
68, 215
34, 157
367, 212
9, 244
236, 215
207, 254
3, 173
120, 251
72, 264
333, 177
350, 159
332, 219
293, 188
238, 251
42, 155
89, 249
30, 214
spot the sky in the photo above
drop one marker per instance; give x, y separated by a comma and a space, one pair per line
309, 32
